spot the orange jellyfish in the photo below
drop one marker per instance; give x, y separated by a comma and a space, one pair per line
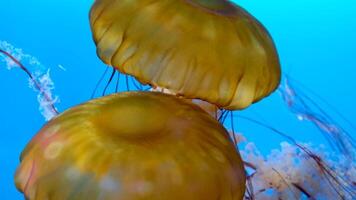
211, 50
133, 145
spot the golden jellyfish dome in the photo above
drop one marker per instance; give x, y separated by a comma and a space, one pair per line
211, 50
128, 146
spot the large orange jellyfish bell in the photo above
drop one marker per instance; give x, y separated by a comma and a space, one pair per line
130, 146
201, 49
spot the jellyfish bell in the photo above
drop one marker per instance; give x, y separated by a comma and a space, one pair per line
137, 145
211, 50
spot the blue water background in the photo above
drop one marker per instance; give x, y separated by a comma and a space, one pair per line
316, 40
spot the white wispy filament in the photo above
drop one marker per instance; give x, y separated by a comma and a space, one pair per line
289, 173
40, 81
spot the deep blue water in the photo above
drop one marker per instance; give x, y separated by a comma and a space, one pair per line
316, 41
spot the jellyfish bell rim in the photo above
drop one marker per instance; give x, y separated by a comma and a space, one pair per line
229, 106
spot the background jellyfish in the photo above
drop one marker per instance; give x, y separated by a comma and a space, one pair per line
134, 145
300, 28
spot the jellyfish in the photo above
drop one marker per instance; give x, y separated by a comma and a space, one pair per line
210, 54
132, 145
211, 50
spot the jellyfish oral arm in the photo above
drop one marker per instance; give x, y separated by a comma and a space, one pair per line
210, 108
37, 85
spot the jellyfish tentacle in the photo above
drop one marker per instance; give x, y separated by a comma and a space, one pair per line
127, 83
337, 182
37, 85
110, 80
117, 82
99, 82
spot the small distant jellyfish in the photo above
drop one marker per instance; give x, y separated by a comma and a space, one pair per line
129, 146
211, 50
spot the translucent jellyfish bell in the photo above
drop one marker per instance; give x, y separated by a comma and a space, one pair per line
138, 145
201, 49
